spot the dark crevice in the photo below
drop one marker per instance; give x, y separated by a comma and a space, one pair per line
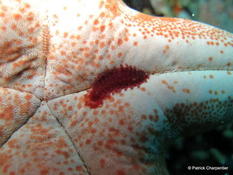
141, 5
71, 140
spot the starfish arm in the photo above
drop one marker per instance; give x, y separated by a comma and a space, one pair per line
15, 109
193, 101
129, 133
120, 137
22, 46
161, 44
40, 147
110, 37
173, 47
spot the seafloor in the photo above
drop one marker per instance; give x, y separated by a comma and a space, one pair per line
214, 148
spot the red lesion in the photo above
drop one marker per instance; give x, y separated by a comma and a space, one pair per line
113, 81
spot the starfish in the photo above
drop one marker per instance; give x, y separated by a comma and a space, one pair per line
92, 87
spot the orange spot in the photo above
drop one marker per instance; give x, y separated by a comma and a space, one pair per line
111, 142
120, 54
96, 22
79, 168
211, 76
2, 14
102, 28
73, 123
30, 30
80, 28
12, 143
119, 42
65, 34
7, 113
135, 43
164, 82
126, 39
143, 89
64, 153
73, 44
186, 90
112, 6
168, 19
141, 17
70, 169
30, 18
17, 16
102, 44
100, 143
27, 5
63, 53
3, 28
88, 141
210, 59
13, 27
121, 122
28, 97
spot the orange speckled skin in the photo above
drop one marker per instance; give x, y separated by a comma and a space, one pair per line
51, 51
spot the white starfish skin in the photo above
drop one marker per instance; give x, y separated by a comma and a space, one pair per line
52, 51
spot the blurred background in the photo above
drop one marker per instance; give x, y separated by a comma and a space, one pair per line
216, 12
214, 148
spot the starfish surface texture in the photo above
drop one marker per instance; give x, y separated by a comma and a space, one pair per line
92, 87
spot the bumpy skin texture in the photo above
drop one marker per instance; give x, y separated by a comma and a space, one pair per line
51, 51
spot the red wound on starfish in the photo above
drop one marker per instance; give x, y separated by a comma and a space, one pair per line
113, 81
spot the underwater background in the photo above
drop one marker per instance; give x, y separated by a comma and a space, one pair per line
213, 148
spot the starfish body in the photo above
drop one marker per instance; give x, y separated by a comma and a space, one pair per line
51, 55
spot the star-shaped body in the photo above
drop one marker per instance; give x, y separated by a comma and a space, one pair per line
52, 53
